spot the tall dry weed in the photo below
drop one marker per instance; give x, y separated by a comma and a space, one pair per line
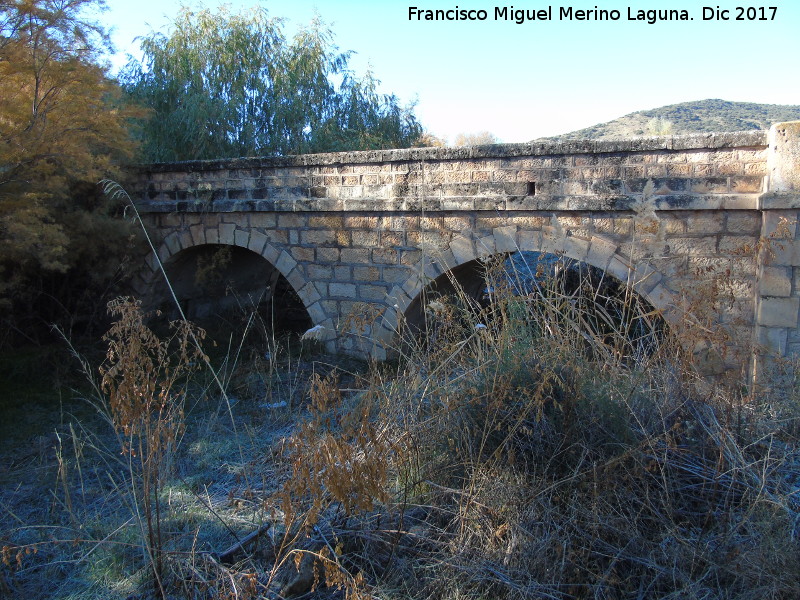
145, 380
559, 447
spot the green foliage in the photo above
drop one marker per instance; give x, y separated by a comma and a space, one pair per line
225, 85
62, 128
691, 117
660, 126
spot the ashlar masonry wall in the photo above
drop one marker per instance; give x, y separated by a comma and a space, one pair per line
681, 218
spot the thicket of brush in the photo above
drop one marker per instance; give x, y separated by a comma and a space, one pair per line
549, 441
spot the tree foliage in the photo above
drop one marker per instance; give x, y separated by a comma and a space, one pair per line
225, 84
481, 138
62, 129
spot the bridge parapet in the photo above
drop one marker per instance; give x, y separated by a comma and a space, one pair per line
693, 172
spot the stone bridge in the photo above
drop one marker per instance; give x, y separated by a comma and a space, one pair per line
667, 215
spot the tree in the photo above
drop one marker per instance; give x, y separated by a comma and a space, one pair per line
225, 85
429, 140
480, 138
660, 126
62, 129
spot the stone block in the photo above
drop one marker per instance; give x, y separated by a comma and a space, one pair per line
285, 262
398, 299
530, 240
708, 223
385, 256
747, 184
600, 252
241, 238
271, 253
410, 257
400, 223
783, 160
778, 312
743, 222
278, 236
484, 246
371, 293
710, 185
392, 239
446, 259
673, 224
463, 249
756, 168
164, 253
458, 223
773, 338
263, 220
693, 246
342, 273
309, 294
326, 222
783, 252
428, 240
737, 245
301, 254
575, 247
660, 297
319, 272
317, 237
389, 320
186, 240
291, 221
257, 242
198, 234
296, 279
226, 233
355, 255
780, 224
505, 239
328, 255
360, 222
342, 290
366, 239
620, 268
173, 244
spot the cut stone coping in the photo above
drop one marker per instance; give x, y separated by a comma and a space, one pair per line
736, 139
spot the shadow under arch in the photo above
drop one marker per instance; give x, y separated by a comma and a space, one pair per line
542, 292
218, 285
463, 265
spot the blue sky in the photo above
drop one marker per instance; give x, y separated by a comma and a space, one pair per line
539, 78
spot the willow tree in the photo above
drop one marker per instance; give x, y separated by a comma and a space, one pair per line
62, 129
223, 84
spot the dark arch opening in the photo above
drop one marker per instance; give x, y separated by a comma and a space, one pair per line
219, 286
550, 291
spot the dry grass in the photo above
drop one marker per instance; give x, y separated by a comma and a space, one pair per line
553, 442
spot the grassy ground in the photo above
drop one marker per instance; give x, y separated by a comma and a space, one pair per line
523, 448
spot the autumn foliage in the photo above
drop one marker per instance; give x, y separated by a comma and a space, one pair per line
63, 127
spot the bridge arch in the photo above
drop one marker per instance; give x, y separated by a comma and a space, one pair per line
463, 250
278, 267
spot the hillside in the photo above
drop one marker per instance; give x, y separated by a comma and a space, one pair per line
691, 117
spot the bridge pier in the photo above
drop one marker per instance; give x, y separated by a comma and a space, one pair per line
778, 298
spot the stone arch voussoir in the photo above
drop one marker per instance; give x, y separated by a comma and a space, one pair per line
255, 241
596, 251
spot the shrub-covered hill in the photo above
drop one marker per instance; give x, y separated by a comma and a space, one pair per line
691, 117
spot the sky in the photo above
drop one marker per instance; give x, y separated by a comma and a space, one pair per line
541, 77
